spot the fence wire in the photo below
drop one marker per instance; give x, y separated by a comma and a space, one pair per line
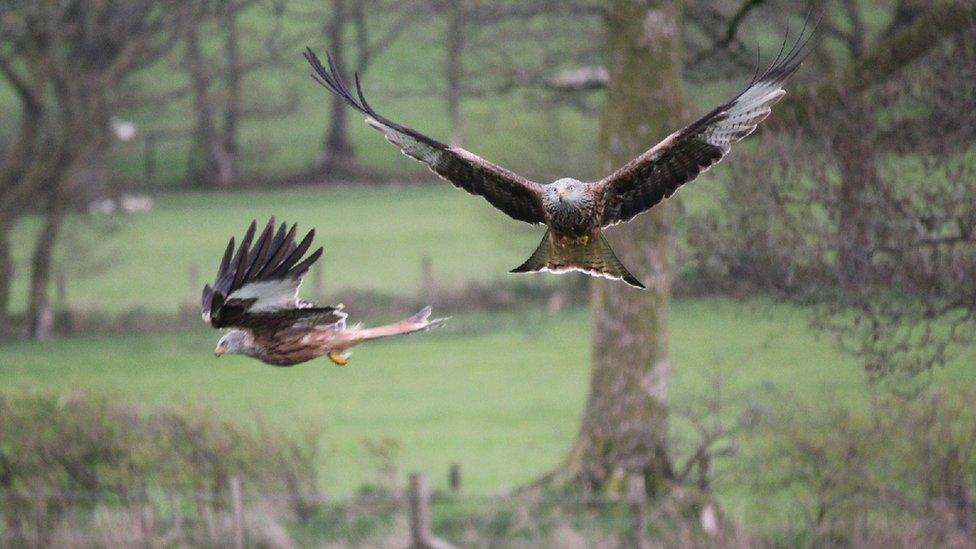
237, 517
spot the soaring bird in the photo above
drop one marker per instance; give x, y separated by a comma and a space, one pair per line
576, 212
255, 296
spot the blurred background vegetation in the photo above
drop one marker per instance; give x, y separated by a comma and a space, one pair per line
821, 333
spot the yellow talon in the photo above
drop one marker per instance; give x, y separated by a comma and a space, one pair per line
585, 239
339, 359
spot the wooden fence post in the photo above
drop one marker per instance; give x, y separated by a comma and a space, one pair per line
149, 158
454, 478
420, 536
176, 517
427, 284
237, 500
637, 499
205, 509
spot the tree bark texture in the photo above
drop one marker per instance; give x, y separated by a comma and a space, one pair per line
338, 148
232, 52
624, 427
853, 147
210, 165
6, 276
41, 264
12, 170
454, 46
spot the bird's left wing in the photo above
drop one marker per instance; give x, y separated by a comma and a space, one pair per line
511, 193
682, 156
259, 284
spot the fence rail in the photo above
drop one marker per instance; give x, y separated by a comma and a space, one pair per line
227, 517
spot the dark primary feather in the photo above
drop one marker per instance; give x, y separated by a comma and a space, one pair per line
509, 192
682, 156
273, 258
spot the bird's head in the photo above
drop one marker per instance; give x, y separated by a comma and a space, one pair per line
567, 192
235, 342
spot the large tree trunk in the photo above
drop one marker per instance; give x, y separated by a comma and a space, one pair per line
12, 170
210, 165
853, 145
6, 276
38, 306
624, 428
454, 46
232, 51
338, 149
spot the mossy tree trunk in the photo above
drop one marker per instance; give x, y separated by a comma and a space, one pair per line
338, 149
624, 427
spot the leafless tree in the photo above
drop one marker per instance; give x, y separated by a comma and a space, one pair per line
624, 429
67, 62
217, 82
624, 425
374, 26
884, 246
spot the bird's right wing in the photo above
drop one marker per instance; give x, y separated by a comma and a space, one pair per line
682, 156
511, 193
257, 287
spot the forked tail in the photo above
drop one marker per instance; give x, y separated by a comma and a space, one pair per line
595, 258
417, 323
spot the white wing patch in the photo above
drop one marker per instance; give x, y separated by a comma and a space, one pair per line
407, 144
743, 115
270, 295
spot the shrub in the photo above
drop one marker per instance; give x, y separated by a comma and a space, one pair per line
901, 469
65, 456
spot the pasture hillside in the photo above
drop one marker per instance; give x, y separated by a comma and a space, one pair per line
501, 394
374, 239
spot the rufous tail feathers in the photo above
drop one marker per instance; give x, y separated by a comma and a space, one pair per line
595, 258
417, 323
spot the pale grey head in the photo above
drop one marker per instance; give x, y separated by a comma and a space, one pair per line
235, 342
565, 194
569, 205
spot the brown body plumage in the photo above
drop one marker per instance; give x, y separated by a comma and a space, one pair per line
255, 296
576, 212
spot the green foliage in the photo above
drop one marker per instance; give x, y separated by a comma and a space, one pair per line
901, 468
479, 391
62, 452
503, 404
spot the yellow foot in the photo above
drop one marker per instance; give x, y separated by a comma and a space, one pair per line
339, 359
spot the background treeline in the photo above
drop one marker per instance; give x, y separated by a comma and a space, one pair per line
105, 100
831, 263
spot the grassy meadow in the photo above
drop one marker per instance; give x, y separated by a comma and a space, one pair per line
374, 239
500, 394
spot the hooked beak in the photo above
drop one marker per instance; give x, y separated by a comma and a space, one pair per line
563, 195
220, 350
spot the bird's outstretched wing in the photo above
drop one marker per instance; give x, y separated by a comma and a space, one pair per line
511, 193
257, 287
682, 156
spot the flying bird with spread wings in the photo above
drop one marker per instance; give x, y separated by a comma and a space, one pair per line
575, 212
255, 297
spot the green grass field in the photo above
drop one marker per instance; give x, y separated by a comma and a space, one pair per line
500, 394
374, 239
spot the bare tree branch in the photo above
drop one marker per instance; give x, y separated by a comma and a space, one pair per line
731, 32
884, 59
